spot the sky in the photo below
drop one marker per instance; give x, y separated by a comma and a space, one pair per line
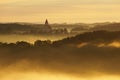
60, 11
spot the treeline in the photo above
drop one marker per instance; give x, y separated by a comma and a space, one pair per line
89, 37
19, 28
24, 28
108, 27
101, 36
11, 28
23, 44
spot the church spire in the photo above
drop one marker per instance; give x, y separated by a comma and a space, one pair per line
47, 27
46, 22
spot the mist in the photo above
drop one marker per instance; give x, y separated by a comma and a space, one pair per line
85, 56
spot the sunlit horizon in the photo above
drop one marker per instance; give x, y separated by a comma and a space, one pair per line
60, 11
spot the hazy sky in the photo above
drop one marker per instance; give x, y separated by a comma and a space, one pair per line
60, 11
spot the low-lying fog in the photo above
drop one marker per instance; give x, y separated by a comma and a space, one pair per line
89, 56
86, 62
30, 38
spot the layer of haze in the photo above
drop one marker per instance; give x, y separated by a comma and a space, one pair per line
28, 38
59, 11
66, 63
89, 56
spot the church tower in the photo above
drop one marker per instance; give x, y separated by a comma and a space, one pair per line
46, 22
47, 27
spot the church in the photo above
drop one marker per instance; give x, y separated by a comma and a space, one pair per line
47, 28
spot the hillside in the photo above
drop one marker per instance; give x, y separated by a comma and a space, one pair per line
95, 36
108, 27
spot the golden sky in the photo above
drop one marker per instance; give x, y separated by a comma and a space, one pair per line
60, 11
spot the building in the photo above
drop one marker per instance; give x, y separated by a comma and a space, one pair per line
47, 27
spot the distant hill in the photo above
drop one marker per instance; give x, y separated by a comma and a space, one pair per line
29, 28
80, 29
95, 36
108, 27
11, 28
